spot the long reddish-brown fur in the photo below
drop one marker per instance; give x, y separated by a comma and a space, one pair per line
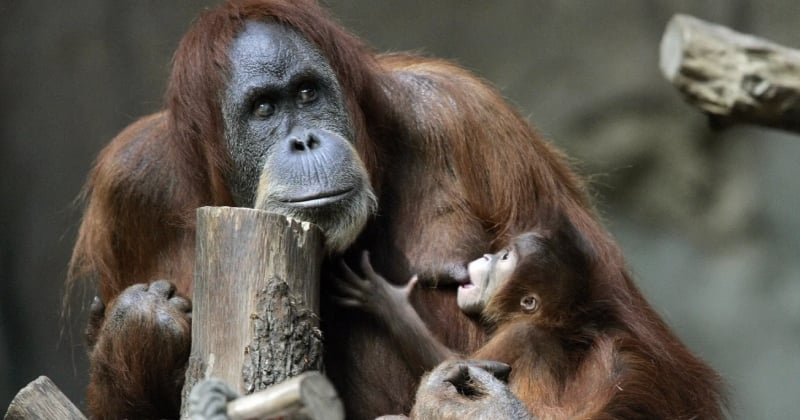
595, 349
456, 170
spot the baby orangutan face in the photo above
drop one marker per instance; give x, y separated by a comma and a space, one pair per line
486, 274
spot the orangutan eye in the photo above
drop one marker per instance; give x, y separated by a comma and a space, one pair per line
529, 303
263, 109
307, 93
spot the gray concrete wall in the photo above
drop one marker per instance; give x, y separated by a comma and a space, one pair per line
709, 220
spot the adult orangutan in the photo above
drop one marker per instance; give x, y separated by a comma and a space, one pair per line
273, 101
572, 351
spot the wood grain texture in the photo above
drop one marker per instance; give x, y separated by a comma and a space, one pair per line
41, 399
256, 299
733, 77
310, 394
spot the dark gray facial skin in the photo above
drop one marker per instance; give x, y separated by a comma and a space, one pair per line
289, 134
468, 389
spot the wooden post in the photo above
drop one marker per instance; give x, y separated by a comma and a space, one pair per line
41, 399
256, 297
733, 77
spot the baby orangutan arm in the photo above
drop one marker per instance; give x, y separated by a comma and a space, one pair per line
390, 305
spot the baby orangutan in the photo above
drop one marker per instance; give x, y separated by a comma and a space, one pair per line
575, 351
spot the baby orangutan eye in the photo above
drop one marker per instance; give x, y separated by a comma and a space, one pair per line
529, 303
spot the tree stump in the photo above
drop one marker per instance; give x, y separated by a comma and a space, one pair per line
733, 77
256, 299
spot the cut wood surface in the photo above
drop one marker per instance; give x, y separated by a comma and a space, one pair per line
41, 399
734, 77
256, 297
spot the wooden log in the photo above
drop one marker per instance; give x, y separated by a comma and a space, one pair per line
256, 299
309, 395
733, 77
41, 399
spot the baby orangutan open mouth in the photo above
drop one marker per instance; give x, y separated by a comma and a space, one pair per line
485, 275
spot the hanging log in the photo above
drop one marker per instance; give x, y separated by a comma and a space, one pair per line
41, 399
256, 299
733, 77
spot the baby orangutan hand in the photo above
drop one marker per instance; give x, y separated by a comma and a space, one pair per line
373, 293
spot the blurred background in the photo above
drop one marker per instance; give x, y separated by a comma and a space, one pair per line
709, 220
